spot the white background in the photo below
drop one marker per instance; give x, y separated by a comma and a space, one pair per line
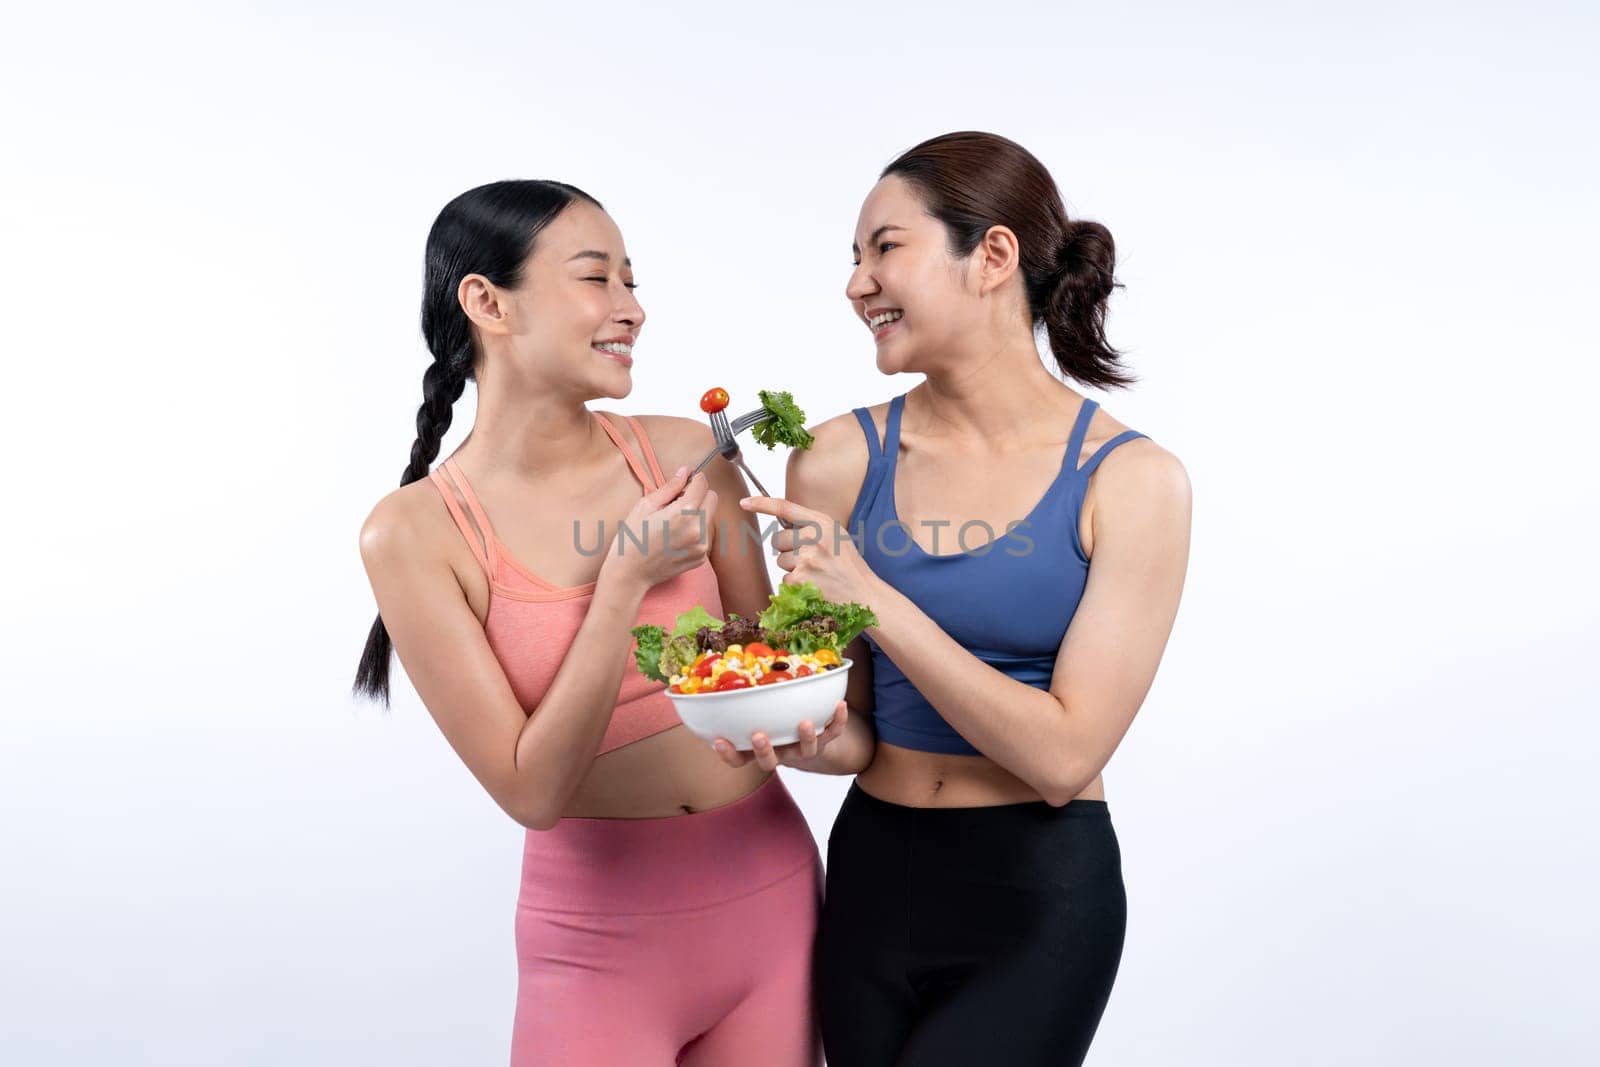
1359, 257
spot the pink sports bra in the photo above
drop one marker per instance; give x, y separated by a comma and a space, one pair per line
531, 622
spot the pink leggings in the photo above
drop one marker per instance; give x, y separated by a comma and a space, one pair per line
680, 940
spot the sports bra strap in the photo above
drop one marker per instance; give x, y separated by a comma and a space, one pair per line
477, 531
638, 468
891, 435
868, 427
649, 452
1121, 439
1080, 428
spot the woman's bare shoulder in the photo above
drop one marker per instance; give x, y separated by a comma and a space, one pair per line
407, 524
1138, 467
828, 475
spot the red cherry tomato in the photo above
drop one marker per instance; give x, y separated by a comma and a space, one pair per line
703, 668
801, 671
784, 652
714, 400
756, 648
731, 681
775, 676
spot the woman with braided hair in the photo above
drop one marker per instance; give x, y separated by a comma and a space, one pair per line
975, 907
642, 850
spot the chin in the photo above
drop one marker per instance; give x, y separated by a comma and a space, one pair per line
892, 364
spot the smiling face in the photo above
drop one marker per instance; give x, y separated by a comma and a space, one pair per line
573, 320
907, 288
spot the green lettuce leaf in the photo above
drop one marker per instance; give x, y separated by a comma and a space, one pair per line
648, 655
795, 603
787, 425
692, 620
852, 619
791, 603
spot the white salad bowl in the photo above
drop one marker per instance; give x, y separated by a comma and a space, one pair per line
776, 710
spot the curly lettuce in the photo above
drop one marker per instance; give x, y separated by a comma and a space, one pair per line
800, 620
787, 425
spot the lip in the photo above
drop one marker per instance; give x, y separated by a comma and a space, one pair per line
881, 331
624, 360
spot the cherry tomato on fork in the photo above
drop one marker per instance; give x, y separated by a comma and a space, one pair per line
714, 400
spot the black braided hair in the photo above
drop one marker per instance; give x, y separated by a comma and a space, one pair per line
490, 231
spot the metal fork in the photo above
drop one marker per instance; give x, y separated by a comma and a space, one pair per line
728, 446
725, 433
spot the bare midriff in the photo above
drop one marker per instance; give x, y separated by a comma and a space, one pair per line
932, 780
669, 773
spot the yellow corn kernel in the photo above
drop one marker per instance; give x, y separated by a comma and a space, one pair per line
827, 655
735, 648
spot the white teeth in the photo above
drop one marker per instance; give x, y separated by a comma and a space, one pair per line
616, 347
886, 317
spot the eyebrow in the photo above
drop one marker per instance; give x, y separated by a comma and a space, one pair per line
604, 257
879, 232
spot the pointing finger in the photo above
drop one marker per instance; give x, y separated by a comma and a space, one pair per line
780, 508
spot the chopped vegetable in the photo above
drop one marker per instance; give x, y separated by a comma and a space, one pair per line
798, 635
661, 654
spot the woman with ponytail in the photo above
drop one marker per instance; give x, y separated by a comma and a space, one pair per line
512, 618
975, 907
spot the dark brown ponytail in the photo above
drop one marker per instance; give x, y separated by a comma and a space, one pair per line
973, 181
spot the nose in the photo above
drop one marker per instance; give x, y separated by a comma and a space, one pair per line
630, 312
861, 284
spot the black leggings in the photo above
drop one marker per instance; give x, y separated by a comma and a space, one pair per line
968, 935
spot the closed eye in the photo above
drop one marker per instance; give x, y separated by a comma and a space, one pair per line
606, 281
883, 246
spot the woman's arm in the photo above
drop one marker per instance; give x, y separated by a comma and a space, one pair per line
530, 764
1059, 740
825, 478
736, 555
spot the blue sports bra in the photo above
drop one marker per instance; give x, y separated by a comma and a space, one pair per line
1009, 602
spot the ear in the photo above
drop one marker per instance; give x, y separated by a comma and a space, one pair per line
484, 304
997, 258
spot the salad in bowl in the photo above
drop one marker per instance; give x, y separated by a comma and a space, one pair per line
741, 676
